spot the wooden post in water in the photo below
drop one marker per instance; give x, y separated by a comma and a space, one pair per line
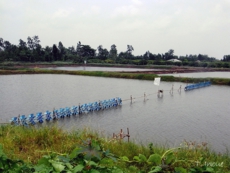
179, 89
79, 108
171, 91
160, 93
131, 98
121, 135
128, 134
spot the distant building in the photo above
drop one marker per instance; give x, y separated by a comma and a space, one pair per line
174, 60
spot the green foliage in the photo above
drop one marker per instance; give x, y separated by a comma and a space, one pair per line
7, 165
154, 159
32, 51
85, 151
89, 158
55, 163
171, 161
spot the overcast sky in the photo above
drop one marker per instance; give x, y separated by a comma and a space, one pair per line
186, 26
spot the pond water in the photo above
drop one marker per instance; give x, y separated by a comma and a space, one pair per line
200, 115
201, 75
88, 68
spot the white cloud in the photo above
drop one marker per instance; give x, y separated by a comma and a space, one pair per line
137, 2
92, 10
95, 9
130, 10
62, 13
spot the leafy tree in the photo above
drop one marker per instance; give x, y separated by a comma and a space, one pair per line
146, 55
1, 44
8, 50
32, 51
55, 52
78, 48
62, 51
129, 52
22, 44
102, 53
171, 52
226, 65
7, 45
36, 41
71, 50
48, 54
149, 56
100, 50
35, 48
169, 55
76, 59
130, 49
226, 58
30, 43
86, 51
113, 52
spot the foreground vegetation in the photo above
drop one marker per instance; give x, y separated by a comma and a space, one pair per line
50, 149
141, 76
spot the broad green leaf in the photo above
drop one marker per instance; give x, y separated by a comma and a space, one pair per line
69, 165
155, 158
124, 158
58, 166
133, 168
142, 158
106, 161
169, 158
209, 169
43, 168
92, 163
112, 157
74, 153
156, 169
78, 168
63, 159
180, 170
117, 170
44, 160
136, 158
94, 171
95, 145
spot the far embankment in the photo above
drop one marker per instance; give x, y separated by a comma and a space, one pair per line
129, 75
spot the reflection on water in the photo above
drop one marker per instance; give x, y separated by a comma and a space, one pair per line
200, 115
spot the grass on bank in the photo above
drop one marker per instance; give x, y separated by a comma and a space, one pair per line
30, 144
126, 75
70, 63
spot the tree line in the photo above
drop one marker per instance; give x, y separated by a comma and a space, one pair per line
32, 51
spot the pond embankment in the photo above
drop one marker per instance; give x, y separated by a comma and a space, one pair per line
129, 75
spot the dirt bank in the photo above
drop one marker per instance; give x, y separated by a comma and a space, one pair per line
152, 69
